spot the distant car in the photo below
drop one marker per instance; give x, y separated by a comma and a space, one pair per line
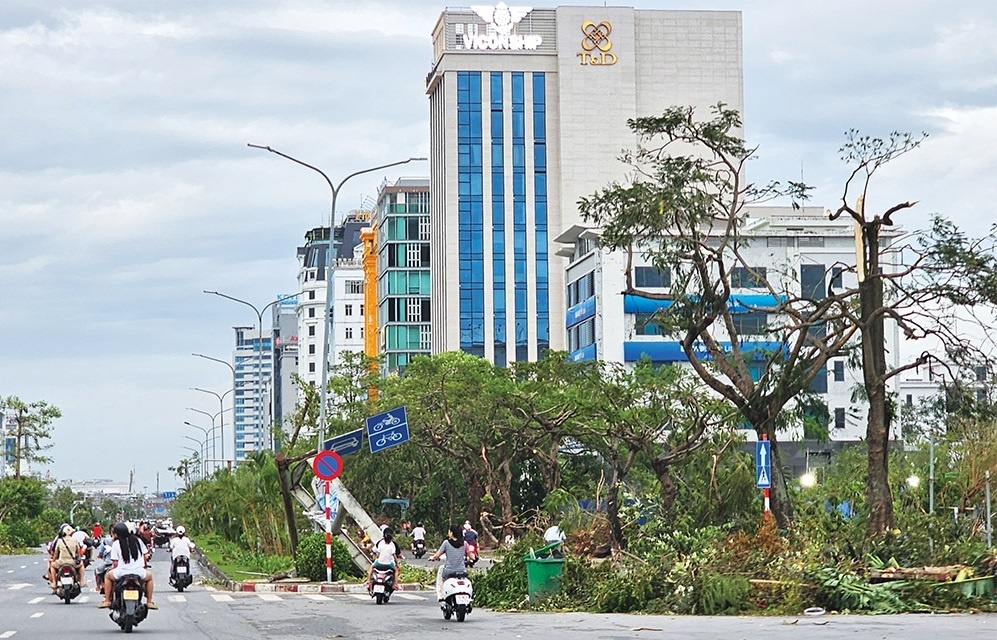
163, 535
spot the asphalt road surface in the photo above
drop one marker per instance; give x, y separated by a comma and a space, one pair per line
28, 612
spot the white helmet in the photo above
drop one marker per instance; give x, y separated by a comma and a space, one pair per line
181, 530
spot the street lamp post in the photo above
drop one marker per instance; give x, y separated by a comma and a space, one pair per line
232, 369
203, 445
204, 459
221, 412
212, 417
328, 273
196, 453
259, 353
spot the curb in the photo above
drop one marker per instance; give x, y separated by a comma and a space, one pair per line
312, 587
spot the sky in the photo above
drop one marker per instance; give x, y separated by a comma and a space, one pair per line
127, 186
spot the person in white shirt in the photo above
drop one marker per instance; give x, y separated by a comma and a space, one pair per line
418, 533
127, 557
180, 544
387, 556
180, 547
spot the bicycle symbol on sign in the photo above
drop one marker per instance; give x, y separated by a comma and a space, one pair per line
389, 420
388, 437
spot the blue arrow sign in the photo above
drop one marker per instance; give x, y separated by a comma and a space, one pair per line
387, 429
346, 443
169, 495
763, 464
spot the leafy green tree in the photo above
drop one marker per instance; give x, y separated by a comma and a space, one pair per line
21, 498
32, 429
684, 210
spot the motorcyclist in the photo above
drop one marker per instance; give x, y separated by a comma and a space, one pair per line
128, 557
65, 551
470, 535
102, 562
454, 549
180, 546
418, 533
388, 556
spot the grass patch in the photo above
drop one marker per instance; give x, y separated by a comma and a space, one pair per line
239, 563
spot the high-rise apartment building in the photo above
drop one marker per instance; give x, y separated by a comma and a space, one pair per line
253, 370
347, 309
403, 279
282, 390
528, 113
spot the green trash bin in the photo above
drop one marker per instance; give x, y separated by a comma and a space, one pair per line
543, 573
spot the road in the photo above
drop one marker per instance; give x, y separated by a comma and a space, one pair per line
28, 612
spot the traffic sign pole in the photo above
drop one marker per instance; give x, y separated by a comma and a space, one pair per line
328, 535
766, 491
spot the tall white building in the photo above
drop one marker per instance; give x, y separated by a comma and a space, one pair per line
528, 113
346, 267
801, 247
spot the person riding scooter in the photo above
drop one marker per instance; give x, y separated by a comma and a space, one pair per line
453, 548
388, 556
65, 551
180, 547
128, 555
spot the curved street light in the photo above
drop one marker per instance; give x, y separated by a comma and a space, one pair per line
204, 459
259, 357
212, 417
221, 411
328, 268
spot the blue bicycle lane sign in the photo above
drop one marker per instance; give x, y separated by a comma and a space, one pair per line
387, 429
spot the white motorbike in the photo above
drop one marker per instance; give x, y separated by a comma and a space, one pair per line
456, 596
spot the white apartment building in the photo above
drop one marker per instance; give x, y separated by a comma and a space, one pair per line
801, 246
528, 113
346, 266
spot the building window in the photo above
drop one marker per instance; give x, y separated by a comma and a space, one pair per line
811, 241
652, 277
348, 310
311, 294
836, 277
646, 326
581, 289
311, 330
839, 418
361, 310
311, 367
349, 333
981, 374
839, 370
354, 286
910, 400
747, 278
311, 312
752, 323
311, 349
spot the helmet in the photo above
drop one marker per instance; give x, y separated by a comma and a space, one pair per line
181, 530
120, 529
467, 524
418, 524
131, 527
65, 529
388, 532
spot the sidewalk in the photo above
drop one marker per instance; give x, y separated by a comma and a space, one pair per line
299, 586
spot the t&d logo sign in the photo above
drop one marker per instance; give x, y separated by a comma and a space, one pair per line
596, 44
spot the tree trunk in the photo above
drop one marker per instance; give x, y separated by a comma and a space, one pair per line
616, 538
475, 493
504, 487
284, 476
878, 495
669, 492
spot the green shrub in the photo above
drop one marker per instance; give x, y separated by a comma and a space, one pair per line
310, 559
720, 594
22, 534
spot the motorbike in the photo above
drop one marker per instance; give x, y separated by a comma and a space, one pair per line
382, 584
180, 577
471, 554
457, 596
67, 583
127, 607
419, 548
